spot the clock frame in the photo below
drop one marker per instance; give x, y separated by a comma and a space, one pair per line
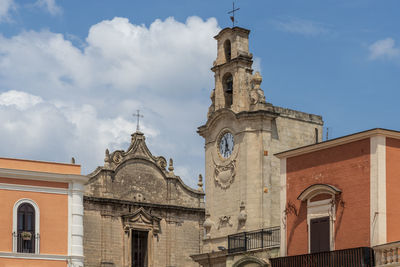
226, 144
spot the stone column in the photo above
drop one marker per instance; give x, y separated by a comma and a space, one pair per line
75, 200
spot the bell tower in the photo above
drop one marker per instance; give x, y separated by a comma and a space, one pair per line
242, 134
232, 68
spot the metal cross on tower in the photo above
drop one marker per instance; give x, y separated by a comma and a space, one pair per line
138, 116
233, 13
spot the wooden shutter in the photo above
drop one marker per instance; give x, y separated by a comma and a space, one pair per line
319, 235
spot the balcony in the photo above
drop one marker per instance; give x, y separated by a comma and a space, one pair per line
264, 238
26, 242
354, 257
388, 254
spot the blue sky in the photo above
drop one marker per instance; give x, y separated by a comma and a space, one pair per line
72, 72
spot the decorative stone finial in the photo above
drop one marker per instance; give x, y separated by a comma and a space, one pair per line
256, 93
257, 80
107, 156
211, 109
207, 224
200, 184
171, 165
242, 214
72, 160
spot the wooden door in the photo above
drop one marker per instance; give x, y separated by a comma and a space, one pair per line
139, 248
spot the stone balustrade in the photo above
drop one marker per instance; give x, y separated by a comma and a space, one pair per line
387, 254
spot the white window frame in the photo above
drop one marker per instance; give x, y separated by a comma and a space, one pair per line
320, 209
37, 223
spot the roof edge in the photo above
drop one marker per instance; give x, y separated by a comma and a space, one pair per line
338, 141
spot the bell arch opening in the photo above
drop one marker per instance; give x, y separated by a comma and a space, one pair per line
227, 82
227, 50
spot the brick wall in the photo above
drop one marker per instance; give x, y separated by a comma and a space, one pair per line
346, 167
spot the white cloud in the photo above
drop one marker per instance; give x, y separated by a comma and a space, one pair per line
384, 49
50, 5
20, 100
301, 26
5, 7
59, 100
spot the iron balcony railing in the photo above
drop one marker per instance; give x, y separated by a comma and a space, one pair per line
354, 257
264, 238
26, 242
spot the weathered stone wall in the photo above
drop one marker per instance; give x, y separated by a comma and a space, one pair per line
134, 191
255, 186
178, 238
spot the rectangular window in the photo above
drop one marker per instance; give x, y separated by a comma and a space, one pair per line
319, 235
139, 248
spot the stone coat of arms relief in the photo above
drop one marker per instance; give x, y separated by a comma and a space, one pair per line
225, 170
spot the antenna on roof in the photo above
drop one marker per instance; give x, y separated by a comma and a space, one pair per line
327, 134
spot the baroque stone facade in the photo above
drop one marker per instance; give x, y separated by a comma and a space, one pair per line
134, 197
242, 133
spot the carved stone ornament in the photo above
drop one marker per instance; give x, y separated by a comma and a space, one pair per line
162, 162
211, 109
225, 175
207, 224
141, 219
224, 221
256, 93
242, 214
117, 157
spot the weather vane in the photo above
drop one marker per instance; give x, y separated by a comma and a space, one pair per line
138, 116
233, 13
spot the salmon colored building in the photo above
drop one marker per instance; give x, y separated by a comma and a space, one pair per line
342, 194
41, 214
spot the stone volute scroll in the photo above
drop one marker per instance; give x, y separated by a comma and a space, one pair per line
256, 93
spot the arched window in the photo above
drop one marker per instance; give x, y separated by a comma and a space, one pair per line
26, 227
321, 216
228, 89
227, 50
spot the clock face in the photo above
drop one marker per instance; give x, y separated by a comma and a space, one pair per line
226, 144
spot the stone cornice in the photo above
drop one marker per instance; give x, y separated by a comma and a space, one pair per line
107, 201
258, 114
243, 59
42, 176
236, 29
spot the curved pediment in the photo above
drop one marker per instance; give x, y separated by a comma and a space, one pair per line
316, 189
137, 150
141, 219
138, 176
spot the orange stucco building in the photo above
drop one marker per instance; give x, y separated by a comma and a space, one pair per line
341, 194
42, 209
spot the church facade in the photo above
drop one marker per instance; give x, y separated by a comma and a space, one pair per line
242, 133
137, 212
